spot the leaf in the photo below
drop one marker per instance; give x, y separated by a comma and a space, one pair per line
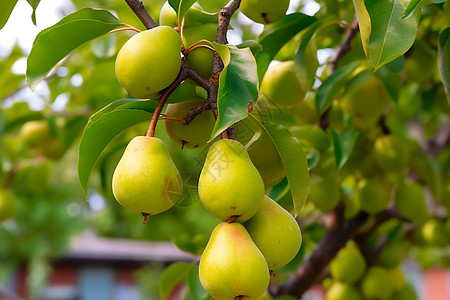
185, 5
294, 162
171, 277
343, 142
238, 85
277, 34
104, 126
34, 4
410, 9
331, 86
6, 7
391, 36
54, 43
195, 287
364, 24
444, 60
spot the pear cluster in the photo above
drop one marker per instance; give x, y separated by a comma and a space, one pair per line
240, 253
352, 279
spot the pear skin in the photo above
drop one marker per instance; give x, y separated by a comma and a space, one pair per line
230, 186
8, 205
232, 267
264, 11
146, 180
276, 233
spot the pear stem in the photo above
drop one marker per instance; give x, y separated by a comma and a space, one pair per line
145, 218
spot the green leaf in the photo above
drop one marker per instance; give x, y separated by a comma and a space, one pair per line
196, 290
54, 43
391, 36
34, 4
343, 142
411, 8
185, 5
277, 34
6, 7
364, 24
238, 85
332, 85
444, 60
104, 126
10, 82
294, 162
171, 277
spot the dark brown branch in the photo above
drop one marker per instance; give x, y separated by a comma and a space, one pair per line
143, 15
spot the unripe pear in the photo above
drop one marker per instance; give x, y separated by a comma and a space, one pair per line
398, 278
38, 136
435, 233
146, 180
410, 202
406, 293
324, 193
282, 86
348, 265
342, 291
232, 267
311, 137
264, 11
391, 255
149, 61
8, 205
276, 233
230, 186
373, 195
391, 153
377, 284
194, 134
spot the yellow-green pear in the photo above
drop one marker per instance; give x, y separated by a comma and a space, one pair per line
391, 153
372, 194
324, 193
276, 233
230, 186
8, 205
149, 61
38, 136
281, 85
348, 265
377, 284
398, 278
264, 11
391, 255
311, 137
342, 291
410, 202
194, 134
146, 180
435, 233
231, 266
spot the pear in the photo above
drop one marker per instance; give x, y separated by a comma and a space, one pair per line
230, 186
324, 193
276, 233
410, 202
391, 153
231, 266
348, 265
435, 233
377, 284
342, 291
149, 61
406, 293
264, 11
146, 180
194, 134
373, 195
7, 205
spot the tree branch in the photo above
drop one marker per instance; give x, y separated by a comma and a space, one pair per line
143, 15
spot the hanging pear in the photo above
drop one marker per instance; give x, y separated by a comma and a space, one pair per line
230, 186
146, 180
276, 233
232, 267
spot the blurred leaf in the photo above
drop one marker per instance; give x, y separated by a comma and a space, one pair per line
427, 169
196, 290
238, 85
391, 36
10, 82
185, 5
343, 142
171, 277
54, 43
184, 242
444, 60
104, 126
34, 4
277, 34
294, 161
331, 86
6, 7
313, 159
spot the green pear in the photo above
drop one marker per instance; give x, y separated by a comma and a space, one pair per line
406, 293
348, 265
276, 233
398, 278
146, 180
342, 291
373, 195
377, 284
391, 255
410, 202
43, 139
194, 134
311, 137
324, 193
282, 86
231, 266
149, 61
8, 205
264, 11
391, 153
201, 58
435, 233
230, 186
